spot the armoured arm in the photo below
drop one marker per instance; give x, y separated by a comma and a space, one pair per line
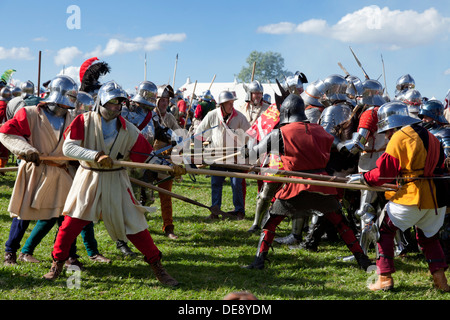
358, 140
271, 143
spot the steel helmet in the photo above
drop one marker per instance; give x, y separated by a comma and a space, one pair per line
372, 93
5, 94
413, 99
433, 109
85, 101
313, 93
405, 82
146, 94
335, 115
107, 92
393, 115
63, 90
207, 96
27, 89
16, 92
335, 87
294, 83
292, 110
354, 87
165, 91
225, 96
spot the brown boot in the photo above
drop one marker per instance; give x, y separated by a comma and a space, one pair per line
162, 275
55, 270
10, 258
440, 281
385, 282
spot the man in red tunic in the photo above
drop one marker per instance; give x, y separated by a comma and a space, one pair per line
305, 147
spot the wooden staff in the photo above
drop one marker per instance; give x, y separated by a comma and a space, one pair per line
212, 82
253, 71
6, 169
165, 168
215, 210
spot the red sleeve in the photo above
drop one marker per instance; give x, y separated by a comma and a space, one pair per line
18, 125
2, 111
368, 120
76, 128
198, 112
182, 106
141, 150
387, 166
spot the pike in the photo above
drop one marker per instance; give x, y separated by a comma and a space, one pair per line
384, 76
359, 64
166, 168
215, 210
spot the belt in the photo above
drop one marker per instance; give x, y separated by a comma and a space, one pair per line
102, 169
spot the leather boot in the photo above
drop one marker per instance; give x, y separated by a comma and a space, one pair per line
123, 247
363, 260
10, 258
55, 270
162, 275
385, 282
168, 232
440, 281
258, 262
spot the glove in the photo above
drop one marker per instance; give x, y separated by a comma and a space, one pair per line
104, 160
33, 157
178, 171
357, 178
447, 163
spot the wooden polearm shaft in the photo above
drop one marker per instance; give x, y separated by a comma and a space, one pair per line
166, 168
39, 75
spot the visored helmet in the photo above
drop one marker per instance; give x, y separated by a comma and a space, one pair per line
433, 109
393, 115
372, 93
335, 88
165, 91
354, 87
146, 94
413, 99
225, 96
405, 82
63, 90
294, 83
27, 89
335, 115
292, 110
313, 93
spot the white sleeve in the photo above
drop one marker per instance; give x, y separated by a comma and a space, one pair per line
17, 145
73, 149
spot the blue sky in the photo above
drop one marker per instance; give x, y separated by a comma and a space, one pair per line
215, 38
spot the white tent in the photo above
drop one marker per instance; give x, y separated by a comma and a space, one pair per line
217, 87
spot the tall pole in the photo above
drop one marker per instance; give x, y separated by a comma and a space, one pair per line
145, 67
39, 74
175, 72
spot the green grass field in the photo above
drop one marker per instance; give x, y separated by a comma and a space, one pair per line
207, 260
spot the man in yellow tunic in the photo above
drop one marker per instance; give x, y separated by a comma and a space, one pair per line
412, 156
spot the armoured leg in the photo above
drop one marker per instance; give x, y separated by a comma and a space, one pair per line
295, 236
265, 197
265, 241
317, 228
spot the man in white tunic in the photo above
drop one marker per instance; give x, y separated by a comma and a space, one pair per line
102, 190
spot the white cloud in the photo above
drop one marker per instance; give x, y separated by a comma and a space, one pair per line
116, 46
393, 28
22, 53
65, 56
73, 72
